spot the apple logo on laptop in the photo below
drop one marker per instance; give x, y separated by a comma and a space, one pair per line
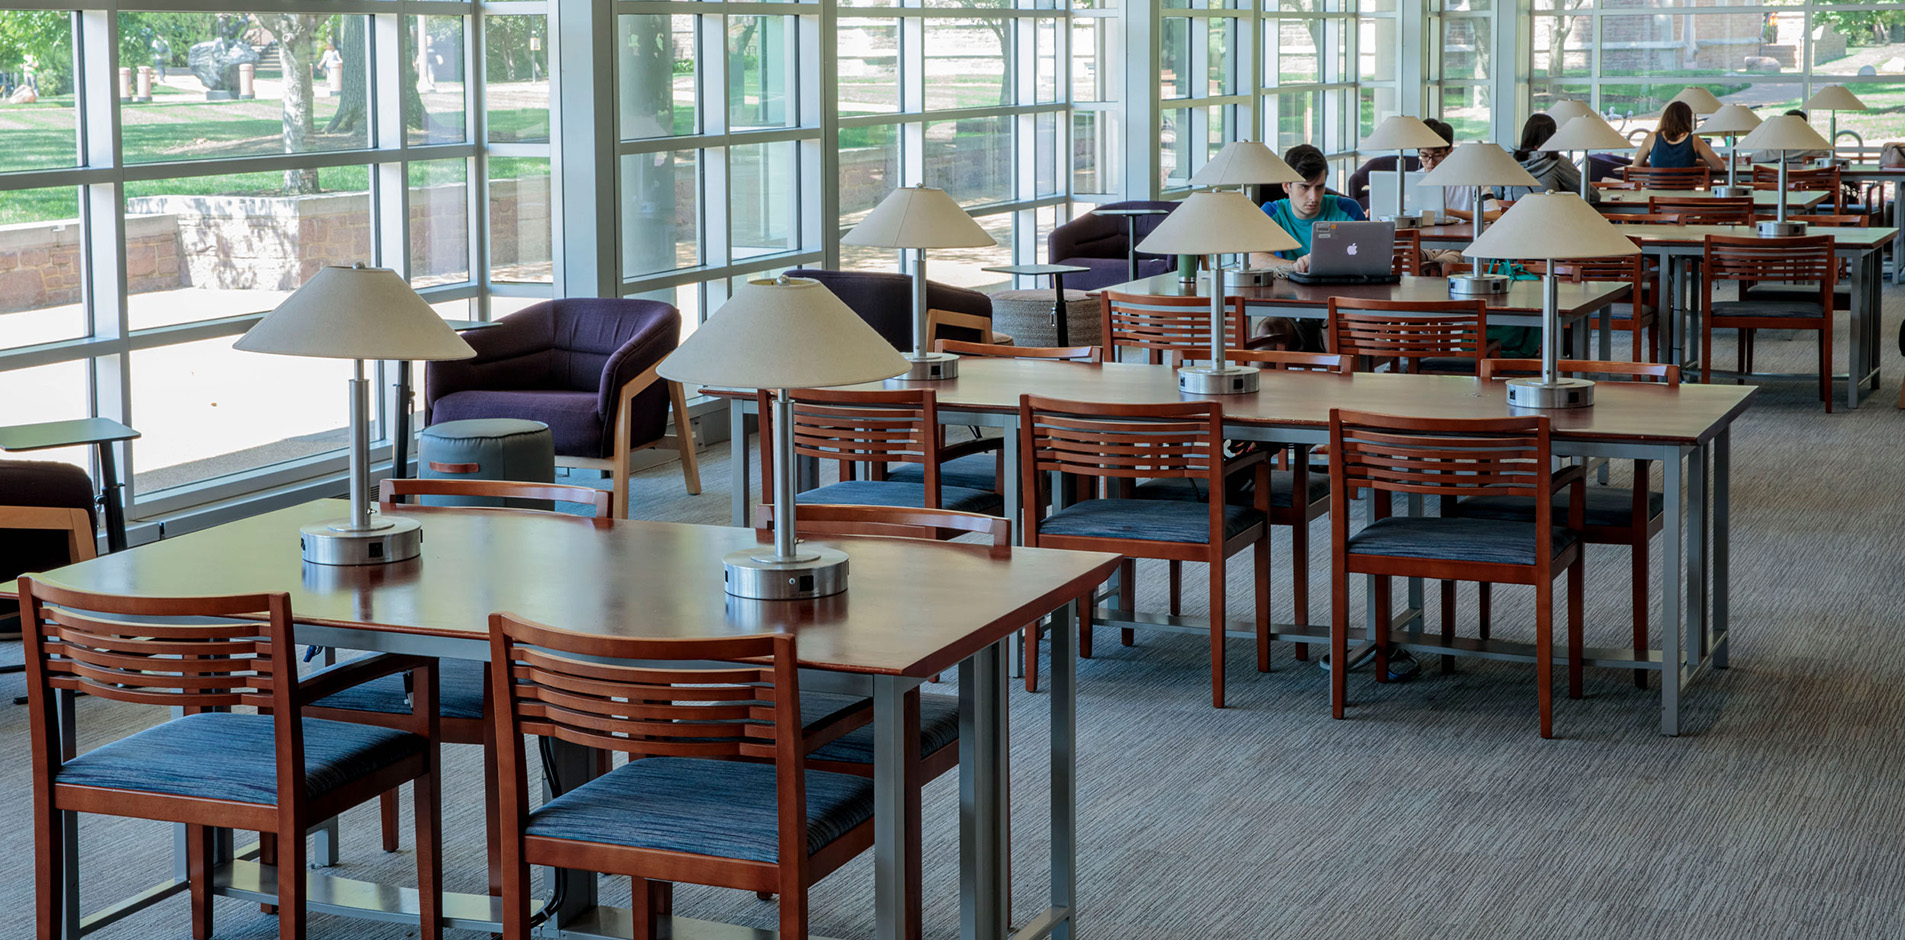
1351, 249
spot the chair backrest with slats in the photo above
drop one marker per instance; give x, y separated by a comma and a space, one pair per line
892, 521
1118, 441
1644, 218
1160, 325
1631, 269
1408, 331
183, 652
1407, 259
1805, 259
872, 428
1438, 456
1704, 210
1637, 371
389, 489
1289, 361
555, 683
996, 351
1658, 177
1803, 180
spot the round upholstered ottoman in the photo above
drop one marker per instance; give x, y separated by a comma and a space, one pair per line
1027, 315
487, 449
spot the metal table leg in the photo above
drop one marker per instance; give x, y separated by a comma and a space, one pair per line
982, 796
400, 423
113, 495
1670, 592
1722, 534
740, 503
1061, 327
1064, 783
890, 836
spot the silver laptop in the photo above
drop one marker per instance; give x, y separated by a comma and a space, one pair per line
1351, 249
1382, 195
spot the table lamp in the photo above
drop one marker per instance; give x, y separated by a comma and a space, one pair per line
920, 217
1584, 134
1550, 227
1731, 120
1245, 163
1781, 134
1402, 133
1697, 98
357, 313
784, 333
1565, 111
1217, 222
1479, 165
1834, 98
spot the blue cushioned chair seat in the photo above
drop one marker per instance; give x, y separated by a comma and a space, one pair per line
938, 725
1606, 506
890, 493
1447, 364
1148, 520
973, 472
1490, 541
1761, 293
459, 692
703, 807
228, 756
1282, 483
1769, 308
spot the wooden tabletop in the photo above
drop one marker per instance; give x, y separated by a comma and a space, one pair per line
1871, 171
25, 437
1843, 236
1623, 411
1636, 199
912, 607
1522, 297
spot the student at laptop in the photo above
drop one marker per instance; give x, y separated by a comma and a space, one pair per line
1553, 171
1307, 203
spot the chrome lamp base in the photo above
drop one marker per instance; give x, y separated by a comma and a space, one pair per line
814, 572
1249, 277
1561, 393
931, 367
1470, 285
1732, 192
1404, 221
1225, 380
385, 540
1772, 229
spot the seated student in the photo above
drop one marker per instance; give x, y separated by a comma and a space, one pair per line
1790, 156
1307, 203
1457, 201
1672, 144
1553, 171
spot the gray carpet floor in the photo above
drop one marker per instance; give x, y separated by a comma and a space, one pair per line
1433, 811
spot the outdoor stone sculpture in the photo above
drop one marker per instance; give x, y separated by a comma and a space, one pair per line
216, 61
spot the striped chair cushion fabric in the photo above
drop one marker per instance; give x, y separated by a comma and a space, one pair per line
1146, 520
1491, 541
1282, 483
1767, 308
938, 725
972, 472
889, 493
459, 692
230, 756
721, 808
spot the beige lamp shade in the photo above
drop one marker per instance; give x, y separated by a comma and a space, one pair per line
1402, 132
1215, 223
1565, 111
1550, 226
1587, 132
1730, 119
1699, 99
918, 217
1245, 163
1479, 164
783, 333
1784, 132
355, 313
1834, 98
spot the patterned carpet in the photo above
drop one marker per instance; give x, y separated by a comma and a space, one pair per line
1434, 811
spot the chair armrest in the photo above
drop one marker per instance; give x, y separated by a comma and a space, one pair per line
334, 679
1574, 479
1233, 465
978, 445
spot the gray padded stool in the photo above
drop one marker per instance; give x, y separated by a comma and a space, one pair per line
487, 449
1027, 315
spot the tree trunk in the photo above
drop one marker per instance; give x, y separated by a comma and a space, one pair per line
295, 32
352, 102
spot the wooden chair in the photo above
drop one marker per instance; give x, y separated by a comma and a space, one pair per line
391, 489
937, 319
720, 795
1655, 177
1642, 307
1444, 337
1803, 180
277, 773
1704, 210
1645, 218
1162, 325
1612, 515
1123, 443
1408, 253
863, 432
1452, 457
996, 351
1749, 261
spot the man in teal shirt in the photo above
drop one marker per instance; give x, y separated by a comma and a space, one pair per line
1307, 203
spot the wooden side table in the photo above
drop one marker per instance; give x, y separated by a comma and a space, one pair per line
1060, 328
104, 433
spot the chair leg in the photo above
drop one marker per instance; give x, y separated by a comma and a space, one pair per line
1262, 561
268, 855
685, 439
1577, 650
387, 818
641, 910
1339, 639
793, 913
1745, 339
1177, 586
1706, 348
1217, 619
1448, 623
1639, 576
1825, 364
516, 888
1031, 657
198, 854
1127, 598
1084, 628
427, 811
291, 887
1484, 604
49, 868
1544, 651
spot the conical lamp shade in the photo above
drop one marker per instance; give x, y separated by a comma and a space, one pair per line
1565, 111
1245, 163
355, 313
1730, 119
1699, 99
1549, 226
1216, 223
1834, 98
1587, 132
1402, 132
918, 217
1784, 132
786, 333
1479, 165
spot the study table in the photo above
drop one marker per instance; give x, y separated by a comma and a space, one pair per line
888, 633
1616, 201
1879, 176
1688, 430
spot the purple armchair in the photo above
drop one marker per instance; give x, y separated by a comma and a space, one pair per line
1102, 243
577, 365
885, 301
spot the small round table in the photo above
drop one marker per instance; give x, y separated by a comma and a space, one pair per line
1060, 328
1131, 234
